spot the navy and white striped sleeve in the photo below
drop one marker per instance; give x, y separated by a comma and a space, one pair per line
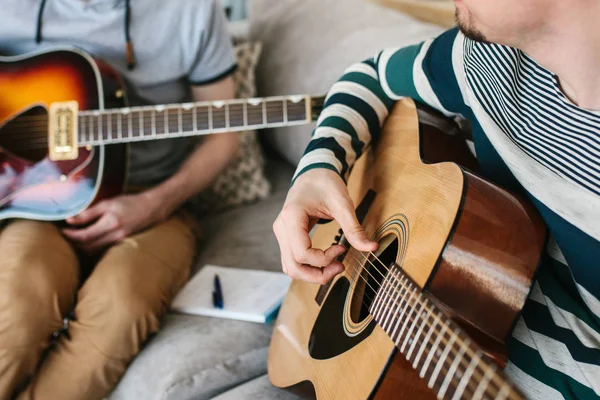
358, 104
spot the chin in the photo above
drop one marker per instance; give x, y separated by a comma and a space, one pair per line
467, 26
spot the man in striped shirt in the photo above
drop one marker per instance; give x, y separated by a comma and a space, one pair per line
525, 73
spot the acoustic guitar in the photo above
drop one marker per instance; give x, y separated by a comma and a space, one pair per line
63, 116
427, 315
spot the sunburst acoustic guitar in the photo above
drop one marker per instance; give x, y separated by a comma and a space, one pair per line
64, 129
427, 315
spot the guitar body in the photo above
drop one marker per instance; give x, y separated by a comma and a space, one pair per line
31, 185
472, 246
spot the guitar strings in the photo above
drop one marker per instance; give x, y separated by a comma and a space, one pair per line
417, 294
147, 114
418, 317
447, 364
132, 109
186, 117
236, 120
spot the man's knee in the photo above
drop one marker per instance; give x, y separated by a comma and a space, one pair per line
29, 309
37, 283
122, 312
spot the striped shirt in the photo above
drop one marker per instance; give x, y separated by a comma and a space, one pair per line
528, 136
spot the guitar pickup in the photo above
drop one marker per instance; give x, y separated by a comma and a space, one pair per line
63, 131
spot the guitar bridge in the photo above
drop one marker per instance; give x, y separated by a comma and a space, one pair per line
63, 131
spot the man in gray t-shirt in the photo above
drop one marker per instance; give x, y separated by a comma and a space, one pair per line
169, 51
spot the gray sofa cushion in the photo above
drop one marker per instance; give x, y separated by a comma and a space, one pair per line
307, 45
195, 357
257, 389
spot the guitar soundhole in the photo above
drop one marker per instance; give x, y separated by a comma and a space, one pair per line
26, 136
371, 277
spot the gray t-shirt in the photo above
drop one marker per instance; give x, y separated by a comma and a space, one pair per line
176, 42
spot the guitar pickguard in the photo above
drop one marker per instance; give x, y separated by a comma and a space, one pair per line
46, 189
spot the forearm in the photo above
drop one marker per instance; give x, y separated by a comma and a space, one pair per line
205, 163
201, 168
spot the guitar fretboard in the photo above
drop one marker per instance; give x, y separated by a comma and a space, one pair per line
161, 122
452, 365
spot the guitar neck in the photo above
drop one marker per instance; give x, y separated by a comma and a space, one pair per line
124, 125
450, 362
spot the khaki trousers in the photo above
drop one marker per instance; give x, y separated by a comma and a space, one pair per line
116, 309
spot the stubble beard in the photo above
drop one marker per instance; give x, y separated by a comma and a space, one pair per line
467, 29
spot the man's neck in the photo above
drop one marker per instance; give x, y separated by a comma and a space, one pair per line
571, 50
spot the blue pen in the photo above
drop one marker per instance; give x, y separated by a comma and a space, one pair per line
217, 294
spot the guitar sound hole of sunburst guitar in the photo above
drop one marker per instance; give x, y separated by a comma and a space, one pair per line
372, 275
26, 135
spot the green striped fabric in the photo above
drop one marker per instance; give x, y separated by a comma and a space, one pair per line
518, 118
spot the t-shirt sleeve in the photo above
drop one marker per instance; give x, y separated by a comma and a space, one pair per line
215, 57
357, 105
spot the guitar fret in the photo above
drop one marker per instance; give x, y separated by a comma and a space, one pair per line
384, 297
109, 123
264, 113
100, 129
120, 125
400, 294
406, 318
82, 126
433, 351
245, 105
274, 112
236, 116
410, 290
412, 328
255, 113
442, 360
426, 340
129, 126
141, 123
484, 383
391, 301
419, 331
453, 367
210, 118
195, 119
92, 128
179, 121
219, 117
166, 121
381, 291
285, 112
464, 380
153, 122
227, 122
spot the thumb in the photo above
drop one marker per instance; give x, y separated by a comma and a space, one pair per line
354, 232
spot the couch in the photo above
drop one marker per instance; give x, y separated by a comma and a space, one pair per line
307, 44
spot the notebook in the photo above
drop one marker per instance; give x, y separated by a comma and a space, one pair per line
248, 295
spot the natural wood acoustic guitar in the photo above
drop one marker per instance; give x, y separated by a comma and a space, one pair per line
427, 315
